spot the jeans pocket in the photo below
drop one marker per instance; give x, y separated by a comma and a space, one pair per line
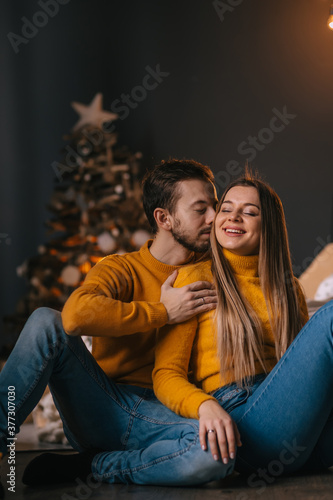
231, 396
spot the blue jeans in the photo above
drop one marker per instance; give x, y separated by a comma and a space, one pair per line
285, 419
145, 442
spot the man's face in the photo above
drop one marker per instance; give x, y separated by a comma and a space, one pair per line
194, 214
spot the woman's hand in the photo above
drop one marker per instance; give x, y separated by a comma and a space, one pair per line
222, 432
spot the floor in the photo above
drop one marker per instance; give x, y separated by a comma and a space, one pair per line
310, 487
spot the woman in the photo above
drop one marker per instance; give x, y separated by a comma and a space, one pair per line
261, 388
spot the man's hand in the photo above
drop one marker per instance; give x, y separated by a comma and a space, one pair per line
188, 301
216, 426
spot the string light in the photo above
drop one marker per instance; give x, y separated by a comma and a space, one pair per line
330, 19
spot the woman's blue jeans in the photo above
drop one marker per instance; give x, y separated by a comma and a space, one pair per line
285, 419
146, 443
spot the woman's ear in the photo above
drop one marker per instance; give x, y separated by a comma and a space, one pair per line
162, 217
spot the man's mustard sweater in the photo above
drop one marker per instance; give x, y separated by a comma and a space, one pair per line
119, 305
192, 344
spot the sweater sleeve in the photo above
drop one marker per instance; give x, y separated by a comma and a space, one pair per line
102, 306
172, 358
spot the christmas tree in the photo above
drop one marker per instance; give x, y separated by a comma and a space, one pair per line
96, 209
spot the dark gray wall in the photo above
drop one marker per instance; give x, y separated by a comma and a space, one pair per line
226, 76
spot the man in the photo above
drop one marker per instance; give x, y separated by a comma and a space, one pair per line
106, 400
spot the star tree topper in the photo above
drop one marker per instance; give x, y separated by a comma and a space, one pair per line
92, 114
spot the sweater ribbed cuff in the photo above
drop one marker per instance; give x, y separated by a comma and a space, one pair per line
193, 404
157, 314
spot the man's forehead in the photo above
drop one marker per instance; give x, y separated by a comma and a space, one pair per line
196, 188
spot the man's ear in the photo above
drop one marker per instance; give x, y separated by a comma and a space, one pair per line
162, 217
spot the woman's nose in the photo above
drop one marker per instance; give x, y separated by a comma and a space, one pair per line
233, 216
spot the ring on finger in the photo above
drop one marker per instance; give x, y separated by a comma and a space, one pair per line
210, 430
203, 300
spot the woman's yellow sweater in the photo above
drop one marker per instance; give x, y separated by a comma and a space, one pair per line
192, 345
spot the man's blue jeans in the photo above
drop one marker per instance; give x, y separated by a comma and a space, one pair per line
146, 443
285, 419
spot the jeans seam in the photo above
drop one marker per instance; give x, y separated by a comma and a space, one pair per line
131, 422
282, 361
242, 461
36, 380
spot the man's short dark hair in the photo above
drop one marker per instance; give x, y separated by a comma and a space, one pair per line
161, 185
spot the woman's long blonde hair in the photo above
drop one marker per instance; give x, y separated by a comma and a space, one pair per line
239, 331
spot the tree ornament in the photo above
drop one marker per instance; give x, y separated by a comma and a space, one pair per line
70, 275
106, 242
140, 237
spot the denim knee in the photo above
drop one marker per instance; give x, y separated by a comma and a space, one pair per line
323, 319
45, 315
44, 321
326, 308
199, 467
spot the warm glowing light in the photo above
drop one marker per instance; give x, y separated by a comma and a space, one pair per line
85, 268
95, 258
330, 19
92, 239
73, 241
55, 291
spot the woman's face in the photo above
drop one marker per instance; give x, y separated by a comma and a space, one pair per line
238, 223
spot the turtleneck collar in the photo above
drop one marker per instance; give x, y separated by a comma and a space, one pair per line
243, 265
157, 264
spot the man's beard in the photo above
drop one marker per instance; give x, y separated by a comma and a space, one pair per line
190, 243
